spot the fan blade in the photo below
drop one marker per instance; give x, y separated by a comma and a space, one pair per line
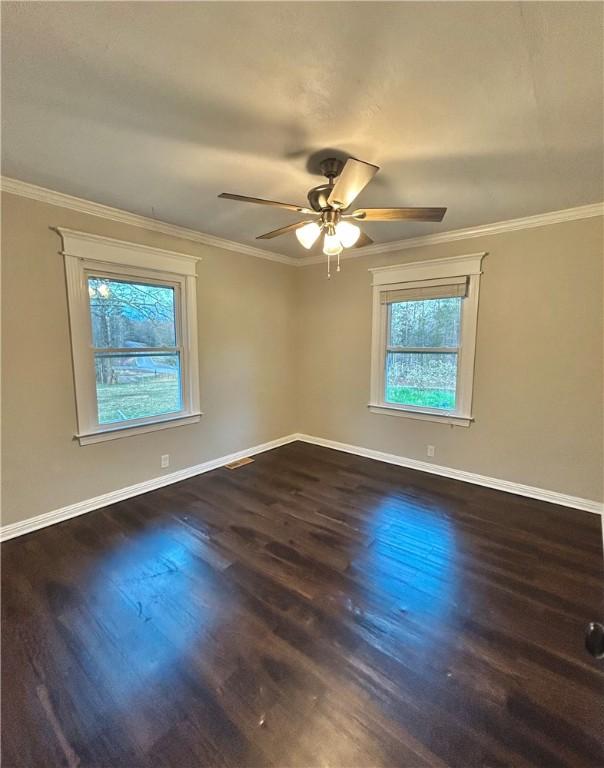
282, 230
354, 178
363, 241
260, 201
397, 214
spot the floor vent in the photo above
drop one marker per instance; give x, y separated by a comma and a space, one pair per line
239, 463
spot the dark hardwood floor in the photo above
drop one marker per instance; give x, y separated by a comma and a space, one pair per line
312, 608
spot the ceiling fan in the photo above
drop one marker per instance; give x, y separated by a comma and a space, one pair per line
328, 205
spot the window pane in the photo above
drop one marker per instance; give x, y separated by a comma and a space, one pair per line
127, 314
137, 387
429, 323
424, 379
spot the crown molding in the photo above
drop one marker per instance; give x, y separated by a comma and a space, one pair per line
496, 228
43, 195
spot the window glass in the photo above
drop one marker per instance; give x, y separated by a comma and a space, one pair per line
137, 386
424, 376
131, 319
429, 323
423, 379
128, 314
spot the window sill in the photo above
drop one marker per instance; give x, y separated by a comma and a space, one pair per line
423, 415
137, 429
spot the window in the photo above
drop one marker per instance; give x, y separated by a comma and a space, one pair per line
424, 331
136, 348
134, 336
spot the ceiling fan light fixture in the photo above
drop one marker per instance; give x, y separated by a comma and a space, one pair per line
308, 234
328, 205
347, 233
332, 245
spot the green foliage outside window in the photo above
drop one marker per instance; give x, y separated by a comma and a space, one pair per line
419, 378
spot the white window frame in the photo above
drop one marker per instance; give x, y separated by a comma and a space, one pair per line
87, 254
413, 275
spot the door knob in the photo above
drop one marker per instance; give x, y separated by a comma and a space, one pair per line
594, 639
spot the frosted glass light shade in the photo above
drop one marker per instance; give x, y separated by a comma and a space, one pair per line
347, 233
308, 234
332, 245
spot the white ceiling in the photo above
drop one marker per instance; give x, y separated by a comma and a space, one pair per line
492, 109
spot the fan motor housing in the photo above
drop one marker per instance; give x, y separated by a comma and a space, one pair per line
318, 196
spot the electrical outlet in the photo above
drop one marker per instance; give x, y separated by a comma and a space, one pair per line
430, 451
165, 460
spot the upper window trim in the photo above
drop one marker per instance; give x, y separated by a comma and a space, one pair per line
415, 274
85, 253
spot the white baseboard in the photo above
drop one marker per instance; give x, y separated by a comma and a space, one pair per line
576, 502
22, 527
81, 507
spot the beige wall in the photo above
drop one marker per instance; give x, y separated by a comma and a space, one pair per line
538, 380
285, 350
245, 331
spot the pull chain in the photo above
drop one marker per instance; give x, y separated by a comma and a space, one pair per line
338, 269
328, 268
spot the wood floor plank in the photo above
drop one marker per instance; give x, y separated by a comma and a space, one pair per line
311, 608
